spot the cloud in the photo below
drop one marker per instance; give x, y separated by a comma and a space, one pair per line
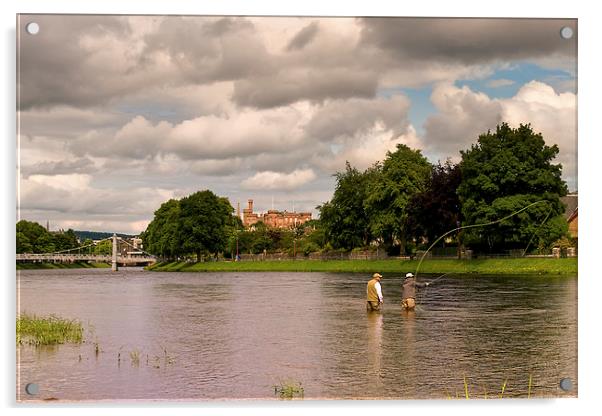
463, 114
468, 41
348, 118
279, 181
305, 35
62, 167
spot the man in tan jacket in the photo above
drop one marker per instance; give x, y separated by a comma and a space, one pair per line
374, 294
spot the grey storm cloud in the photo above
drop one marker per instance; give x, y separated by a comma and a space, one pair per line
305, 84
210, 49
357, 116
53, 66
63, 167
305, 36
469, 41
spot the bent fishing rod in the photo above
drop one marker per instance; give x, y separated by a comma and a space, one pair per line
479, 225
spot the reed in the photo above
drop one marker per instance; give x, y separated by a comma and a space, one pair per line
50, 330
135, 357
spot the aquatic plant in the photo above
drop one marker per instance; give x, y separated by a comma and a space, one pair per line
50, 330
135, 357
289, 390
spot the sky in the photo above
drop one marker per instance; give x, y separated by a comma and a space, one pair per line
118, 114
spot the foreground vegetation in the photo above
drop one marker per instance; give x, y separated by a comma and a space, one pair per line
49, 330
566, 266
75, 265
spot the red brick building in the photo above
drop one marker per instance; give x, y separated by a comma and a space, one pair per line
274, 218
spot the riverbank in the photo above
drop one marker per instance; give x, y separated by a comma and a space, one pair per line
75, 265
566, 266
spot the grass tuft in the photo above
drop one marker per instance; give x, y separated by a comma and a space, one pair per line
50, 330
289, 390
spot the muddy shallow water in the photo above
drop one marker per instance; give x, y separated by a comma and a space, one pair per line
205, 336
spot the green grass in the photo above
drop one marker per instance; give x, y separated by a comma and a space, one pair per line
76, 265
567, 266
50, 330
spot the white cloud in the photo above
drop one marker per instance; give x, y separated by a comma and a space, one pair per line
463, 114
279, 181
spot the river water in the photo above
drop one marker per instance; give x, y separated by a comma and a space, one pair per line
211, 336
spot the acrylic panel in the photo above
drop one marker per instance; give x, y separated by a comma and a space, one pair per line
295, 208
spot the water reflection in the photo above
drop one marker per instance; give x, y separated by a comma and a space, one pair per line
374, 347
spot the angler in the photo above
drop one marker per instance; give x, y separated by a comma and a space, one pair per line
408, 291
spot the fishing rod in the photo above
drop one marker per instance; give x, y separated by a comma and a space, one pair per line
439, 278
480, 225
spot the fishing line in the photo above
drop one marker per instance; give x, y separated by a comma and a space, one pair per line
481, 225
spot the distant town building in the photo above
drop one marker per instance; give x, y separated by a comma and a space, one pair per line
571, 201
274, 218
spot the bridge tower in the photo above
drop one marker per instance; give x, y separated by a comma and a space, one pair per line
114, 259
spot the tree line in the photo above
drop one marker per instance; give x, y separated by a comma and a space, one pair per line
31, 237
405, 203
400, 205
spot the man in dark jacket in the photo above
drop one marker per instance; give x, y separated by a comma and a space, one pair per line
408, 291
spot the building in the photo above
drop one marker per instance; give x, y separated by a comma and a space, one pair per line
274, 218
570, 213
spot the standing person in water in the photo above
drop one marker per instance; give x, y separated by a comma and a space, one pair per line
408, 291
374, 294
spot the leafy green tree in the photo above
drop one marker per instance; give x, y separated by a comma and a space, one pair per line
403, 174
436, 210
344, 219
23, 243
162, 236
65, 240
104, 248
34, 237
204, 222
502, 173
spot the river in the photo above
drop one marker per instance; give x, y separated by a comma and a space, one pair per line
212, 336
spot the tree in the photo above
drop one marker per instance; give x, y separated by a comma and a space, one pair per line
504, 172
64, 240
104, 248
33, 238
204, 219
162, 236
436, 210
403, 174
23, 243
344, 219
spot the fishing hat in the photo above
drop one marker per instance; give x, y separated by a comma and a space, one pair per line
376, 275
409, 275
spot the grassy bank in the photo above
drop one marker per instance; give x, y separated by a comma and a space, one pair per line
481, 266
49, 330
76, 265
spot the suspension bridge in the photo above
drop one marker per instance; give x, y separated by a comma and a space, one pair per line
133, 257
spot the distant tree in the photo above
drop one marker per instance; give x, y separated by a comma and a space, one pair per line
436, 210
23, 243
403, 174
503, 172
204, 222
104, 248
65, 240
33, 237
162, 235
